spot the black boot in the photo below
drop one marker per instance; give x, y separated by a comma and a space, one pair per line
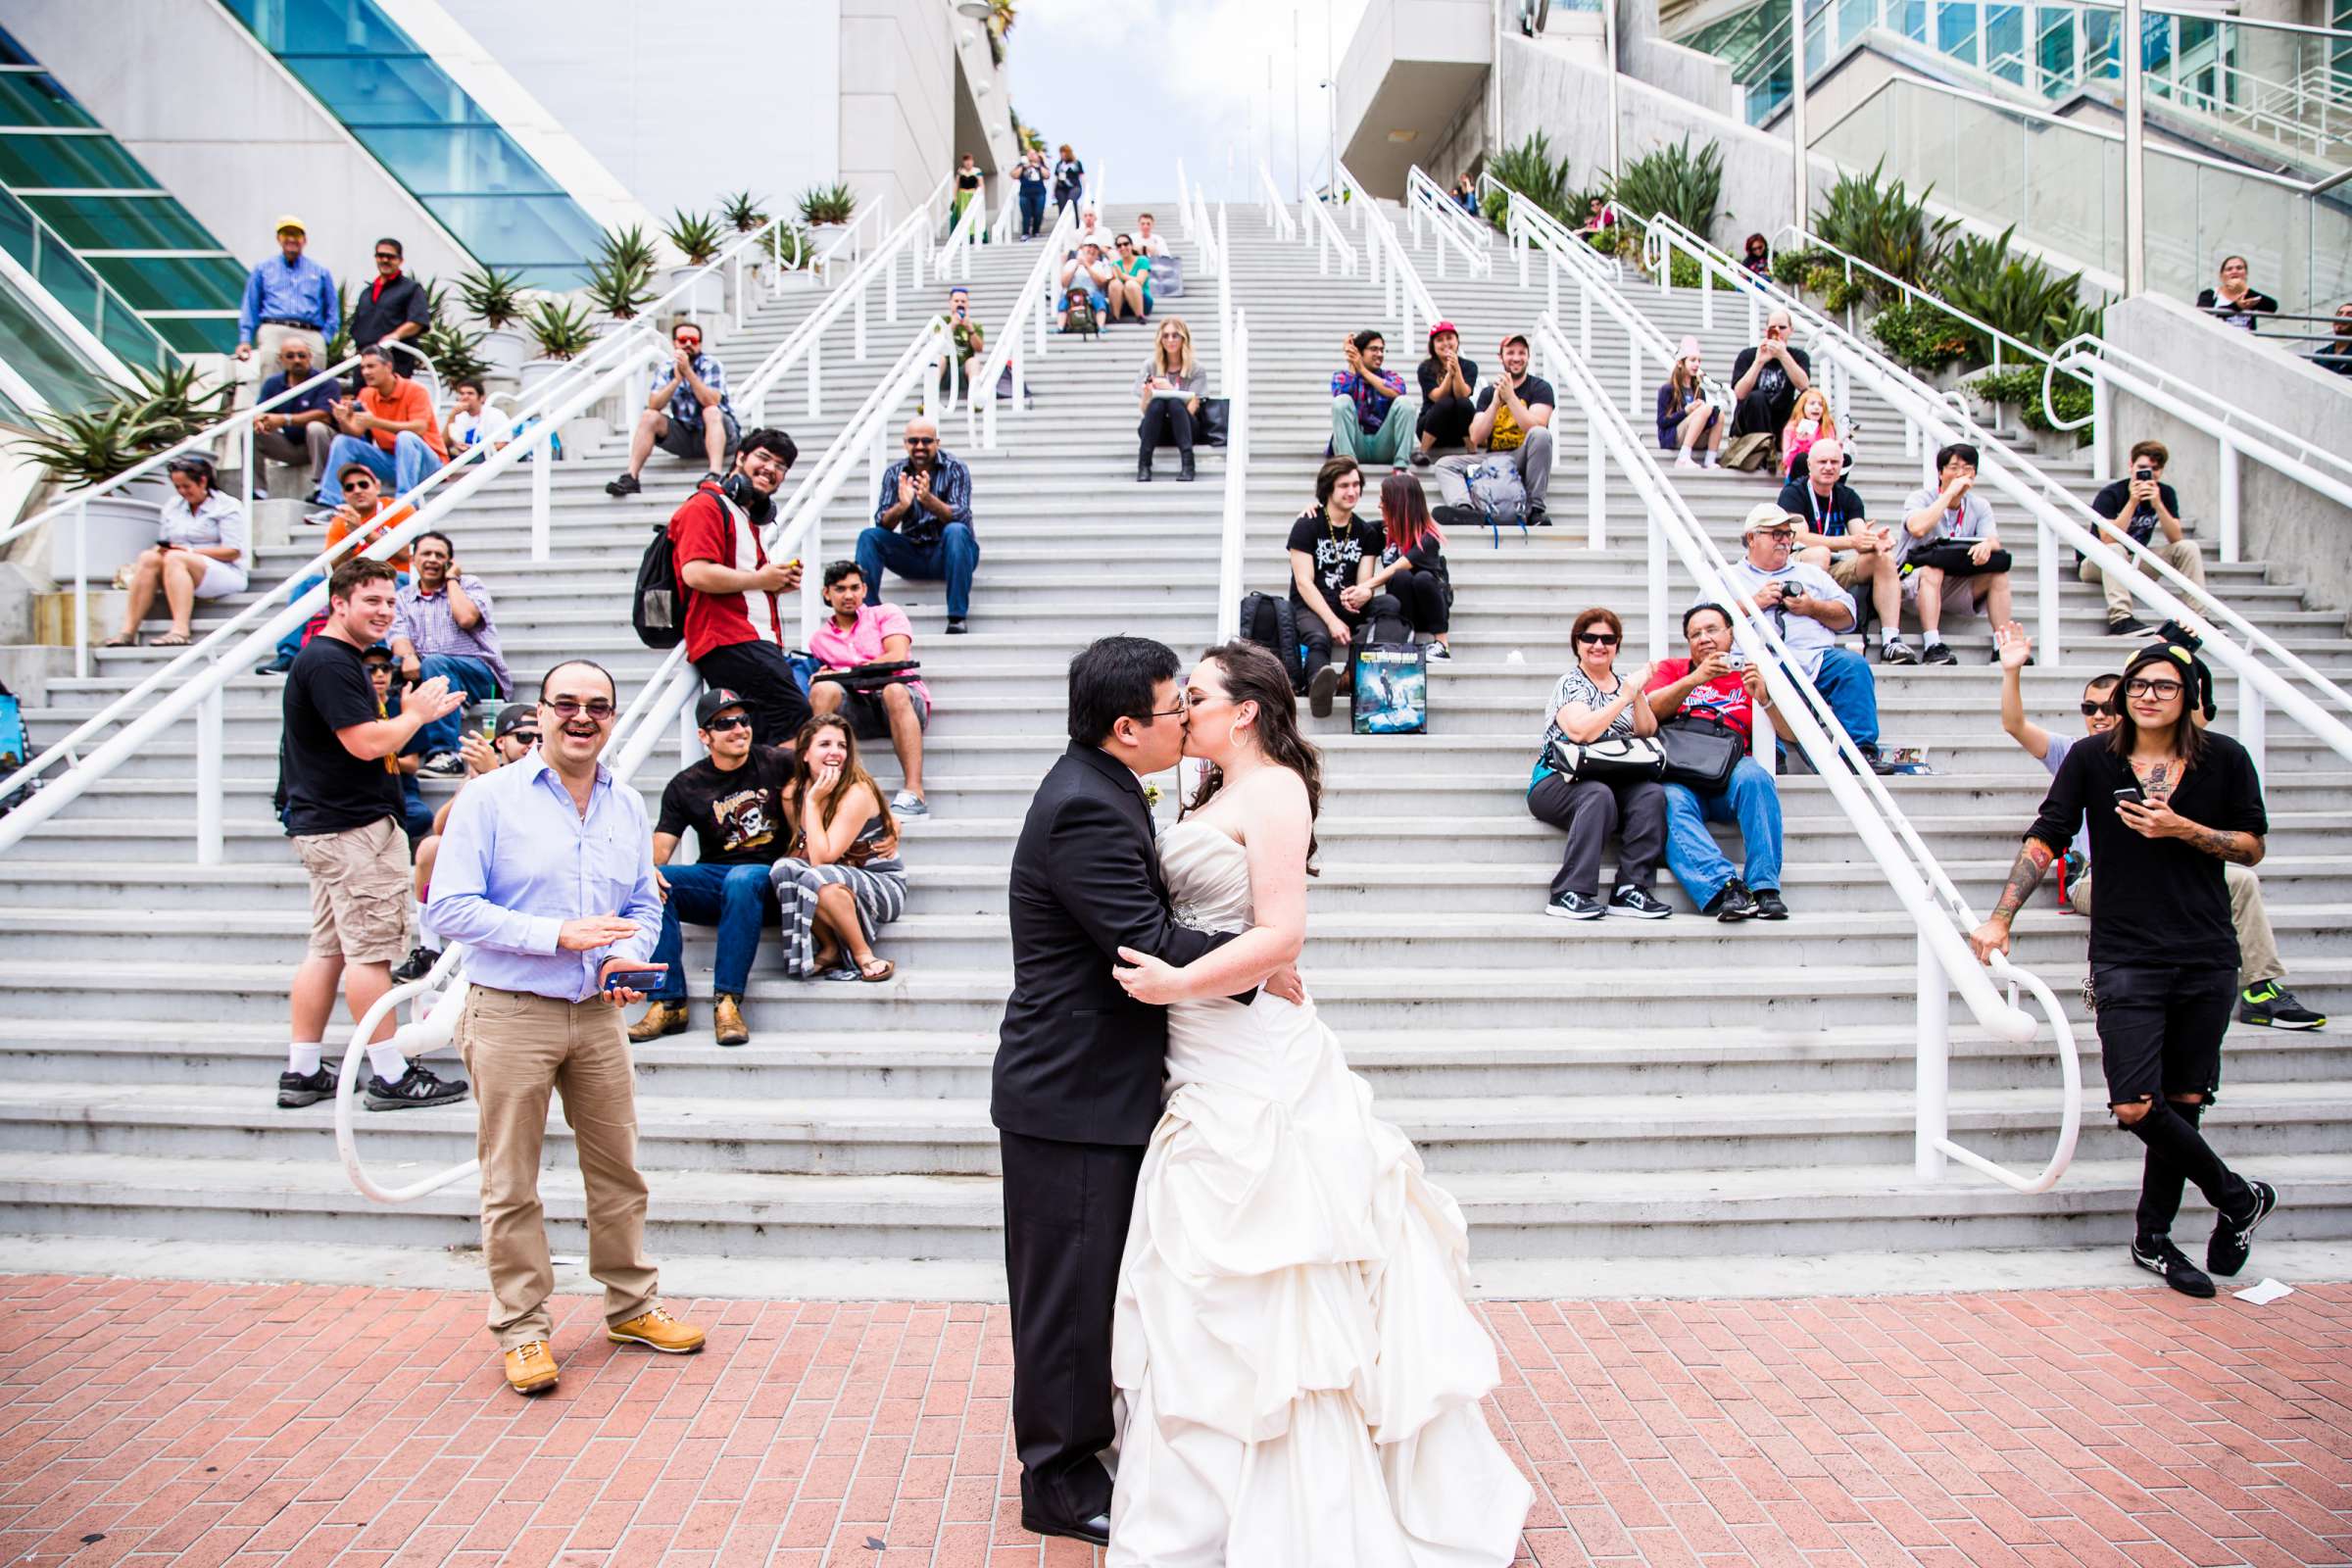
1143, 466
1184, 471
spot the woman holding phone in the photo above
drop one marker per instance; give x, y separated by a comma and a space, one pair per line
1169, 391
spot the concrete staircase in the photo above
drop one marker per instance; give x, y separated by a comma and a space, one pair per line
1646, 1093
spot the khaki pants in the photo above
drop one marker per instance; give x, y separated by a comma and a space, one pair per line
2178, 554
304, 447
2257, 948
516, 1047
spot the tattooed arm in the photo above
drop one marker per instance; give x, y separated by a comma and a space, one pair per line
2025, 875
2160, 822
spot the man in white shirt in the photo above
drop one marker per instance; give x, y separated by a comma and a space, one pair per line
1808, 610
479, 427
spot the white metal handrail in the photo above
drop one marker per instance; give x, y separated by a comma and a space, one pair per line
1006, 220
659, 705
1430, 207
963, 237
1938, 912
1328, 238
1228, 377
867, 227
1912, 293
1277, 207
1234, 532
806, 342
1209, 236
2059, 515
1030, 309
1390, 262
231, 649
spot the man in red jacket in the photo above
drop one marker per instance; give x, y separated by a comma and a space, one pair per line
721, 564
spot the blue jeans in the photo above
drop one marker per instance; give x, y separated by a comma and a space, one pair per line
291, 643
738, 899
415, 813
1846, 684
1697, 861
403, 467
1033, 210
952, 560
466, 674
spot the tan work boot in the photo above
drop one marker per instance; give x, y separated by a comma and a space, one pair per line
531, 1368
658, 1331
727, 1021
661, 1018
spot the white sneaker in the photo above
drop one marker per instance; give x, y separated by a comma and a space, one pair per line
1681, 460
908, 804
1713, 459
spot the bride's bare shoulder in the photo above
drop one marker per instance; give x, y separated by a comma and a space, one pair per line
1272, 794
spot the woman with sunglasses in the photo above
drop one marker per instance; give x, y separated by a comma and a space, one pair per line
1169, 390
201, 549
1130, 287
1592, 700
2169, 805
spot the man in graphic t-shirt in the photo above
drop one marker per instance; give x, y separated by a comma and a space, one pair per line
1328, 544
724, 567
734, 802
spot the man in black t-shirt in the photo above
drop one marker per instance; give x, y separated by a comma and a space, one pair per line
2146, 508
1328, 545
1512, 421
2168, 803
734, 802
339, 783
1836, 534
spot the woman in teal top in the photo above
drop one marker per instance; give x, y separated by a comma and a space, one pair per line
1131, 288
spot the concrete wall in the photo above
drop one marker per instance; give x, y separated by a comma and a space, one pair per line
2278, 520
896, 108
227, 130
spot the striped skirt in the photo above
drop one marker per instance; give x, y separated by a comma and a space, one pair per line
878, 888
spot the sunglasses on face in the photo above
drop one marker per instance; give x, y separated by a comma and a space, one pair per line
726, 721
2162, 690
1599, 639
521, 737
690, 344
923, 440
596, 707
2095, 710
354, 482
386, 256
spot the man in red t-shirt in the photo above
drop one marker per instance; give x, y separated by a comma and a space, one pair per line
1711, 685
722, 564
391, 428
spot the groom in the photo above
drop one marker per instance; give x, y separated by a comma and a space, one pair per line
1078, 1067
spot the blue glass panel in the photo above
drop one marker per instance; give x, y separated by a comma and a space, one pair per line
127, 333
322, 27
16, 231
38, 101
1911, 19
121, 224
68, 160
521, 231
2056, 48
471, 161
2005, 41
1956, 28
13, 53
2155, 41
173, 283
42, 356
198, 336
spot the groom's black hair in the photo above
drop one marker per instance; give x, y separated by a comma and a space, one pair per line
1116, 678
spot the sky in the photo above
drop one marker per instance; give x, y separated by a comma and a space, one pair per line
1133, 85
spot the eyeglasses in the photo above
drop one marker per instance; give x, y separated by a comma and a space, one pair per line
923, 440
2159, 689
725, 723
690, 342
1182, 703
1599, 639
2095, 710
386, 256
596, 707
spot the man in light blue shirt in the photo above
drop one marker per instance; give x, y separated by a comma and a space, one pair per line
545, 874
286, 296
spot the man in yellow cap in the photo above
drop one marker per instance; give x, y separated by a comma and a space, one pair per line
289, 295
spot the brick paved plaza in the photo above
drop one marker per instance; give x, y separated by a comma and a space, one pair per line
198, 1424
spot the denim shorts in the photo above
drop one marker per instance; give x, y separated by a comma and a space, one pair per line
2160, 1027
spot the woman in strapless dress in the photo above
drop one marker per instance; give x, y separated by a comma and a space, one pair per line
1293, 1345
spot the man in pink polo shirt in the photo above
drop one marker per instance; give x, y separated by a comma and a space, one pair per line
859, 633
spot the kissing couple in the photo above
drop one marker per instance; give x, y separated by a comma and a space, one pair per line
1239, 1317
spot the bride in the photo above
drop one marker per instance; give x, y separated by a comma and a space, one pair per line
1299, 1368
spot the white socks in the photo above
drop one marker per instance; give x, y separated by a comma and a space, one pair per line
1681, 458
1711, 462
303, 1057
389, 1064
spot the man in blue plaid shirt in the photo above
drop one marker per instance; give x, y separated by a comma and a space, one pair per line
686, 413
922, 527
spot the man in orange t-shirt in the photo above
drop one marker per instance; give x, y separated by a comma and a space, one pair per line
390, 427
363, 512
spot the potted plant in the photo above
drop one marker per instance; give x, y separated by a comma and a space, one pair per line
494, 298
699, 238
79, 450
826, 205
742, 212
455, 354
616, 293
561, 332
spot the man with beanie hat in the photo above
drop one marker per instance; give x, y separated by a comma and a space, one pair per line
2168, 802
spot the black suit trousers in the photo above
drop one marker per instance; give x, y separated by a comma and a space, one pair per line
1067, 1208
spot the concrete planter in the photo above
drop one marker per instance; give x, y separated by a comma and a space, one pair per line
503, 349
534, 372
706, 298
120, 524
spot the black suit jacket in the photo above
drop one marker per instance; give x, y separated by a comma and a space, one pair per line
1078, 1061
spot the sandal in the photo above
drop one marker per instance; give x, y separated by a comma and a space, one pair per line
875, 969
131, 640
170, 638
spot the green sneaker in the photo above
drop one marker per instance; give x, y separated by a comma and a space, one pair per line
2273, 1007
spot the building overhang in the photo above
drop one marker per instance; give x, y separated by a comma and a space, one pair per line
1410, 72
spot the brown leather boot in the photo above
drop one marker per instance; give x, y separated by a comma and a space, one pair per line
661, 1018
727, 1021
531, 1368
657, 1330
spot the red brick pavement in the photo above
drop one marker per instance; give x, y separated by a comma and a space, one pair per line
199, 1424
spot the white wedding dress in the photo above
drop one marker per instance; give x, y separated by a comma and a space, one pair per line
1298, 1362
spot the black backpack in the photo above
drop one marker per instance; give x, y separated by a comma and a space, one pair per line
658, 609
1272, 622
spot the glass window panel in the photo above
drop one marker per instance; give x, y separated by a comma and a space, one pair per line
1855, 15
191, 336
38, 101
2155, 42
375, 91
10, 414
68, 161
121, 224
521, 231
1956, 30
1912, 17
322, 27
16, 229
13, 53
173, 283
2005, 41
134, 341
70, 282
40, 353
2057, 49
467, 162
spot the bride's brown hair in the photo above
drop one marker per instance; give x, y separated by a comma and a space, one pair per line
1253, 674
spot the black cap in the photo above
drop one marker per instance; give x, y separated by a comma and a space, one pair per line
2181, 658
712, 703
381, 653
514, 716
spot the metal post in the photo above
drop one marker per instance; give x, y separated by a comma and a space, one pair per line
2228, 473
858, 327
817, 360
890, 293
2045, 588
811, 591
737, 264
81, 591
1608, 44
1597, 486
543, 481
2136, 255
1583, 317
1799, 142
208, 778
245, 467
1656, 582
1933, 1087
1707, 298
2102, 422
686, 727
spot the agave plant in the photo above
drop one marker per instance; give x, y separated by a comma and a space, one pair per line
1675, 181
2020, 295
455, 352
619, 291
1530, 170
170, 400
436, 302
628, 249
339, 347
78, 450
697, 235
742, 212
560, 329
492, 296
1886, 226
788, 246
828, 203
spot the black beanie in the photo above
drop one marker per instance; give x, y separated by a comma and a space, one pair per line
2183, 662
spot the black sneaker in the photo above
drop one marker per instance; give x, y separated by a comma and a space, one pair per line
417, 1087
1897, 652
2233, 1239
957, 627
297, 1090
1575, 907
1733, 902
445, 764
417, 964
1538, 516
1637, 904
277, 666
2273, 1007
1939, 653
2162, 1258
625, 485
2127, 626
1319, 689
1769, 905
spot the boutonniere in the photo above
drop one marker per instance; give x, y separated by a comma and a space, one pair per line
1152, 797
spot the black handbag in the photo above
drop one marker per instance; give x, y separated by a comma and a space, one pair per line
1610, 758
1950, 556
1700, 752
1212, 424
